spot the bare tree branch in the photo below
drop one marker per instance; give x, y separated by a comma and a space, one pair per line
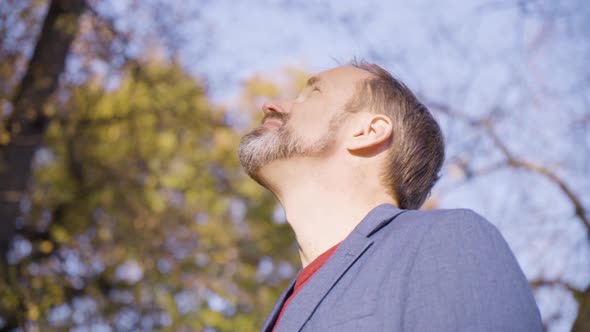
547, 173
536, 283
511, 160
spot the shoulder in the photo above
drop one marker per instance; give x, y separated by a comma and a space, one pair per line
448, 217
462, 245
458, 230
461, 259
441, 223
446, 230
460, 236
447, 223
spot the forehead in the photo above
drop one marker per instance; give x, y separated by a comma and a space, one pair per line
341, 78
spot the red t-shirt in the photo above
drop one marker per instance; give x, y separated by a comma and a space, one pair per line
304, 276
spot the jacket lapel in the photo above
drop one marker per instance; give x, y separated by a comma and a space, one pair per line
276, 309
347, 253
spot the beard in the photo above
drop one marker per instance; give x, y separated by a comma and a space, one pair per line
264, 145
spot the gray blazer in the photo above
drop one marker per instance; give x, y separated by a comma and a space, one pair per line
415, 271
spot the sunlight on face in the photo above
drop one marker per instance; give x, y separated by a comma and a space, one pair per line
305, 126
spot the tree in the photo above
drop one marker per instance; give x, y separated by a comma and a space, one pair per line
136, 215
28, 121
138, 210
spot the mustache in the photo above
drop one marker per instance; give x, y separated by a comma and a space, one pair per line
277, 116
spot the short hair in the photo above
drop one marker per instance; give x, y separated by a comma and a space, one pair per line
416, 152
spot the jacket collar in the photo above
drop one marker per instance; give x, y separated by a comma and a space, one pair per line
377, 218
347, 253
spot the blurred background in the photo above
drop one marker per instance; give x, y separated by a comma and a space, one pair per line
122, 203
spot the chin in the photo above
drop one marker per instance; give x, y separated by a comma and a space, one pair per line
257, 175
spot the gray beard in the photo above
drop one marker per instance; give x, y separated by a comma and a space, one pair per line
262, 146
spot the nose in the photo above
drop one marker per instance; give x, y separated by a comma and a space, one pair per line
271, 107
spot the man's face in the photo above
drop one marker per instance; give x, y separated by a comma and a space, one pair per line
304, 127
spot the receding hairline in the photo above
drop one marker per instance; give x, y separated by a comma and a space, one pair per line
359, 96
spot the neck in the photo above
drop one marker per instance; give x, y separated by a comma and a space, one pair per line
323, 207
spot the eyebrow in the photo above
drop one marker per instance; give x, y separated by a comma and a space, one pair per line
313, 80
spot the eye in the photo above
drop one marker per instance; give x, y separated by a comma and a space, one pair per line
308, 91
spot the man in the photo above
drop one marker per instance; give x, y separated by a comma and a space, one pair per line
351, 159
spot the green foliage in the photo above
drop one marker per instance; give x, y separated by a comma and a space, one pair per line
137, 208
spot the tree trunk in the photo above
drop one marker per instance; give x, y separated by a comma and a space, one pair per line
582, 323
27, 123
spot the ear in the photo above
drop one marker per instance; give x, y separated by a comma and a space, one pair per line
372, 132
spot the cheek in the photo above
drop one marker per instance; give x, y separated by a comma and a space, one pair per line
312, 121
